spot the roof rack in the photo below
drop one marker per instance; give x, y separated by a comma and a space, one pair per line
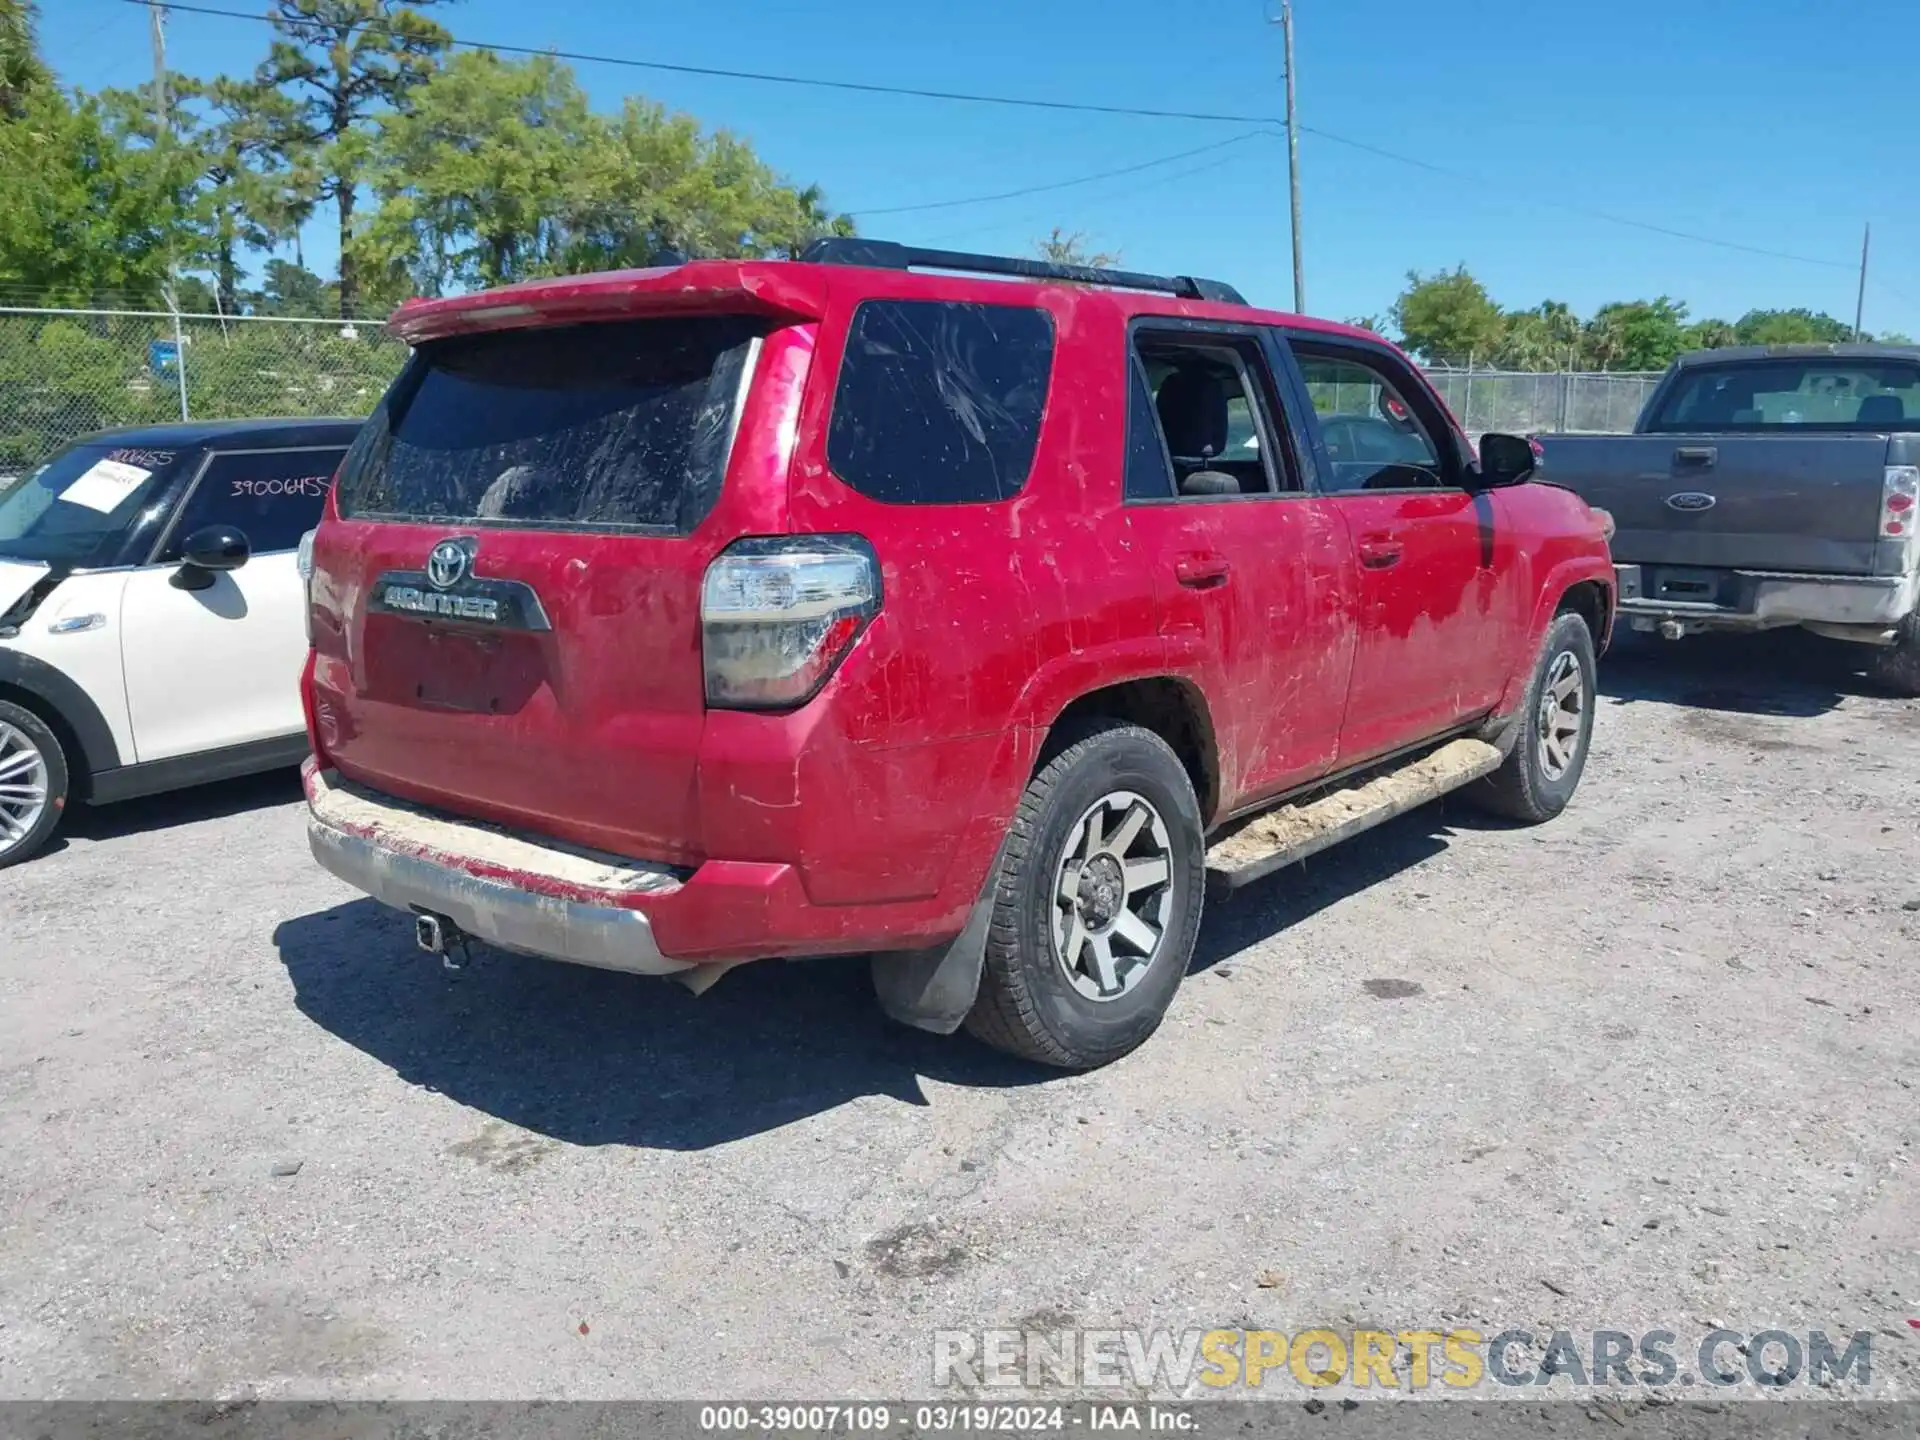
887, 255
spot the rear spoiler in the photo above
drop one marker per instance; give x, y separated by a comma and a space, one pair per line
733, 286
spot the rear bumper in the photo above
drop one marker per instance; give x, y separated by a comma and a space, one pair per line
522, 897
1763, 599
531, 895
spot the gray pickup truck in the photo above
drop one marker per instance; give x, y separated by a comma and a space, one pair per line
1768, 487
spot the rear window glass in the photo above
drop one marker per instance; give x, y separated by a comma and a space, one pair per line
1838, 394
620, 425
939, 403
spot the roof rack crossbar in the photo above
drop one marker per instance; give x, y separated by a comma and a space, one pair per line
887, 255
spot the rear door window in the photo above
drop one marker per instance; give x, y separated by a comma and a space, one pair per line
273, 497
939, 403
622, 425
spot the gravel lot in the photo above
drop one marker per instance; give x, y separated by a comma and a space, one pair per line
1655, 1065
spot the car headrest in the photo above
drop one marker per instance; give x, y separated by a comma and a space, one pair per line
1193, 413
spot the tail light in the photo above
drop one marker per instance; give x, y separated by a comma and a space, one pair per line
303, 561
1899, 500
778, 615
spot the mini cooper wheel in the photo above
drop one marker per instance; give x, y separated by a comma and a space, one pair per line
1097, 902
33, 784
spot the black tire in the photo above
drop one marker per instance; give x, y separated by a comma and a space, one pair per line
53, 760
1531, 787
1028, 1004
1897, 666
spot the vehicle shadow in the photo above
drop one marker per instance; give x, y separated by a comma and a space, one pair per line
179, 807
592, 1057
1785, 673
595, 1058
1285, 898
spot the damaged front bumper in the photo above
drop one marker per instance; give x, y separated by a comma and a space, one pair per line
504, 889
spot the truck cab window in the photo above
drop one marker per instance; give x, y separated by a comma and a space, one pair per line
1791, 394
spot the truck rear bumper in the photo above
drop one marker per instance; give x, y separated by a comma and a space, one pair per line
506, 891
532, 895
1763, 599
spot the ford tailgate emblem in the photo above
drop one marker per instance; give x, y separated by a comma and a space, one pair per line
447, 564
1691, 500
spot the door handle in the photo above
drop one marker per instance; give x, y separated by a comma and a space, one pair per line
1201, 572
1378, 552
1701, 456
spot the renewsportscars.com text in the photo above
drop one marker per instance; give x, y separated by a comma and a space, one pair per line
1454, 1358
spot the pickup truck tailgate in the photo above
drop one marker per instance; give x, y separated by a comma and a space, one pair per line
1807, 504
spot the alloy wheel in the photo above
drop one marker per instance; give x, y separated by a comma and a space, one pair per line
1113, 896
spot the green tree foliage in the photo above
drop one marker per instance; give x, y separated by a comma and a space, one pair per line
1790, 327
340, 64
1546, 337
483, 175
87, 209
499, 170
1636, 334
661, 184
290, 289
1449, 318
1073, 248
21, 69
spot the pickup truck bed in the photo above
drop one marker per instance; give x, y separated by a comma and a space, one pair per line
1764, 489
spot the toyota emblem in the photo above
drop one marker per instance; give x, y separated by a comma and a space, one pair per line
1691, 500
447, 565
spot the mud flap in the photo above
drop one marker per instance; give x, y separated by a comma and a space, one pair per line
934, 989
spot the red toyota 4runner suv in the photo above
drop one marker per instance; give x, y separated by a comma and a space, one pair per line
977, 622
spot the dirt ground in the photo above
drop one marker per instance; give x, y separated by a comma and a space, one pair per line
1651, 1066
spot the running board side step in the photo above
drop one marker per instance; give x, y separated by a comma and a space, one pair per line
1293, 832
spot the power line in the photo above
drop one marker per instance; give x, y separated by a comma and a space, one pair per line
1063, 184
1026, 102
1582, 210
1033, 218
1035, 103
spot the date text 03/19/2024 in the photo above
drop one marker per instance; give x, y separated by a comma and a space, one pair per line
945, 1418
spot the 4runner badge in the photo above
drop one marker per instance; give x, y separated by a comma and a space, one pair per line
449, 590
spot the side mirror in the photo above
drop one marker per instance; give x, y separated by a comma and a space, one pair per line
208, 551
1507, 460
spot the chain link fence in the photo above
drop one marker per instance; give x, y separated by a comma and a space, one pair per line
64, 373
1546, 402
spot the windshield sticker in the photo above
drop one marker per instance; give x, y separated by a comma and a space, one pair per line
146, 459
105, 486
311, 487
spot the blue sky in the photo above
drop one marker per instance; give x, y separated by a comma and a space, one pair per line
1777, 124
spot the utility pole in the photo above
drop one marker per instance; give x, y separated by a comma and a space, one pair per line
157, 28
1860, 304
163, 137
1293, 162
